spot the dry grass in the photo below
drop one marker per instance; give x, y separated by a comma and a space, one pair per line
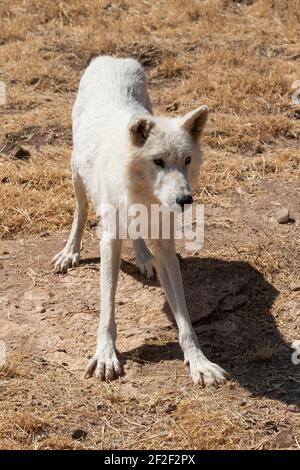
241, 59
263, 353
221, 53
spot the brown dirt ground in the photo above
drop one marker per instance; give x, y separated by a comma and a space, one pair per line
239, 57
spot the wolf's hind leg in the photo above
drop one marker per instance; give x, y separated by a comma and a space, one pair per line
143, 257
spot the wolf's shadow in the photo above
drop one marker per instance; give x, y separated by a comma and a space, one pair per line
239, 332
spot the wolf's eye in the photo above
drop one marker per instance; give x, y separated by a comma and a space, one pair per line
188, 160
159, 162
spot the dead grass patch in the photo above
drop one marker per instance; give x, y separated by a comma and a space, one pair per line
196, 422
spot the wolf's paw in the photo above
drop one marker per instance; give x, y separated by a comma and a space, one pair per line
204, 372
64, 260
104, 365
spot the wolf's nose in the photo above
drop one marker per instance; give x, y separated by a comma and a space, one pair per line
182, 200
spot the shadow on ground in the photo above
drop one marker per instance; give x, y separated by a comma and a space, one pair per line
230, 305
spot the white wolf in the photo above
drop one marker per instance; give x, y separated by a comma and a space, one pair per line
122, 149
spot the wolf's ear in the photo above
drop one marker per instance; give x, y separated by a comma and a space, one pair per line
194, 122
139, 130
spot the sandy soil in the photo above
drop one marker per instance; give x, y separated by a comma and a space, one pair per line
50, 325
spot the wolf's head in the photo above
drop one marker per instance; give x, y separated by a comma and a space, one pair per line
166, 156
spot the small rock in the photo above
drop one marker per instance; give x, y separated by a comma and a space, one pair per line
243, 403
284, 439
283, 216
79, 434
295, 286
294, 408
41, 309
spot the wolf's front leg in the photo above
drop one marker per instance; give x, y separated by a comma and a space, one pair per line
105, 364
203, 371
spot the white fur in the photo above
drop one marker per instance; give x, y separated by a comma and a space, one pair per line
116, 140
